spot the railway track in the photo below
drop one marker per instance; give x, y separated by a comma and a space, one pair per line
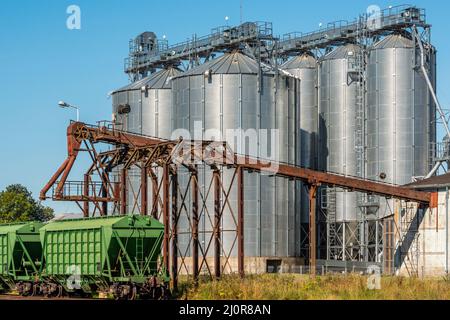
12, 297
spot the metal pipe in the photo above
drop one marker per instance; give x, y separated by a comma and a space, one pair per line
434, 170
43, 194
430, 85
65, 174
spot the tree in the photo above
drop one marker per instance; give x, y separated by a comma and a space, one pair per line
17, 204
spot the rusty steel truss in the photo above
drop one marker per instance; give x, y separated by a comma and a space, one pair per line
159, 162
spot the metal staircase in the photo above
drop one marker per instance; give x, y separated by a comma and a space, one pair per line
408, 243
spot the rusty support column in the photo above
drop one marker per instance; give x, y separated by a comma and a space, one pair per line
312, 229
144, 190
240, 226
166, 215
195, 218
105, 187
155, 195
174, 231
216, 177
86, 195
116, 197
123, 192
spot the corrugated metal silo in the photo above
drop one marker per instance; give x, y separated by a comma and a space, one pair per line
150, 106
228, 93
304, 67
337, 124
400, 114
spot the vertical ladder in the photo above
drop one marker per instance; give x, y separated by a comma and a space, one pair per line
358, 68
140, 251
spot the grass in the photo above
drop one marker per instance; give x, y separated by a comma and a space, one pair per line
300, 287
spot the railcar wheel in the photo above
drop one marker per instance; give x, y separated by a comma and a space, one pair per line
133, 293
50, 289
123, 291
24, 288
35, 289
60, 291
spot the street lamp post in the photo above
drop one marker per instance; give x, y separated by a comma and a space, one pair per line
65, 105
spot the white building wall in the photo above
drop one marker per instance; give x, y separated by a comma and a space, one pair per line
427, 256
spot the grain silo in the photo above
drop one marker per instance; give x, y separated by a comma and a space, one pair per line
304, 67
232, 92
144, 107
400, 114
338, 94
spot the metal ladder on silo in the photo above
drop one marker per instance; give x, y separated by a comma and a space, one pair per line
358, 67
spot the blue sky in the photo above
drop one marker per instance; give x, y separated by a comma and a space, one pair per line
43, 62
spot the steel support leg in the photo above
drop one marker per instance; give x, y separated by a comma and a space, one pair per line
240, 226
105, 193
144, 190
174, 231
166, 215
312, 229
155, 195
123, 192
86, 194
217, 220
195, 220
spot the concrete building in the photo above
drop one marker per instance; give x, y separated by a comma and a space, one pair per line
422, 236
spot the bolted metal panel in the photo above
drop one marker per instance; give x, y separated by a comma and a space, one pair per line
400, 114
337, 108
227, 93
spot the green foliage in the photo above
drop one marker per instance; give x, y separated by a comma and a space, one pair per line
17, 205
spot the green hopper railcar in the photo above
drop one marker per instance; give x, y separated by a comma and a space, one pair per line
118, 255
20, 256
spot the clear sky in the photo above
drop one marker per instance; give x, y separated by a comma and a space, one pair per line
43, 62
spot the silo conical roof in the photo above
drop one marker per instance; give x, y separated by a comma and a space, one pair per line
229, 63
304, 61
394, 41
342, 52
157, 80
